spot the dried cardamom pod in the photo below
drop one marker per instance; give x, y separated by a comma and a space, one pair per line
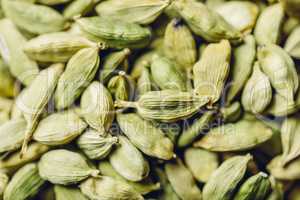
128, 161
107, 188
290, 171
205, 22
202, 163
21, 67
79, 72
191, 133
3, 183
280, 69
142, 61
145, 81
166, 74
292, 44
68, 193
94, 145
210, 74
35, 98
59, 128
256, 187
64, 167
182, 180
180, 45
135, 11
97, 107
240, 14
7, 87
257, 93
114, 33
79, 8
232, 112
52, 2
231, 173
166, 105
145, 136
242, 135
291, 7
143, 187
241, 68
25, 183
34, 18
56, 47
268, 26
121, 87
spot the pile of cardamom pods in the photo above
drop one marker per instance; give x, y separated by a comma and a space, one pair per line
149, 99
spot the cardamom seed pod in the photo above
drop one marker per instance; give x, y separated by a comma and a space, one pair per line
107, 188
54, 168
68, 193
94, 145
292, 44
166, 105
56, 47
121, 87
145, 81
59, 128
142, 61
7, 88
79, 72
242, 135
97, 107
290, 171
182, 180
78, 8
231, 113
114, 33
35, 97
210, 74
231, 172
145, 136
134, 11
25, 183
201, 163
128, 161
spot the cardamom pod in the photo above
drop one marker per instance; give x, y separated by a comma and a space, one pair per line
231, 173
210, 74
35, 98
242, 135
59, 128
268, 26
182, 181
201, 163
205, 22
231, 113
94, 145
34, 18
21, 67
128, 161
289, 172
166, 105
97, 107
292, 44
107, 188
7, 88
145, 136
114, 33
145, 81
135, 11
142, 61
64, 167
79, 72
25, 183
121, 86
68, 193
256, 187
56, 47
79, 8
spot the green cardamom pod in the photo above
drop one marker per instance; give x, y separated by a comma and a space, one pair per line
44, 20
107, 188
182, 181
201, 163
242, 135
94, 145
25, 183
135, 11
166, 105
289, 172
210, 74
292, 44
145, 136
121, 86
142, 61
114, 32
231, 173
68, 193
7, 88
97, 107
232, 112
56, 47
79, 72
21, 67
64, 167
35, 98
59, 128
145, 81
205, 22
78, 8
128, 161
